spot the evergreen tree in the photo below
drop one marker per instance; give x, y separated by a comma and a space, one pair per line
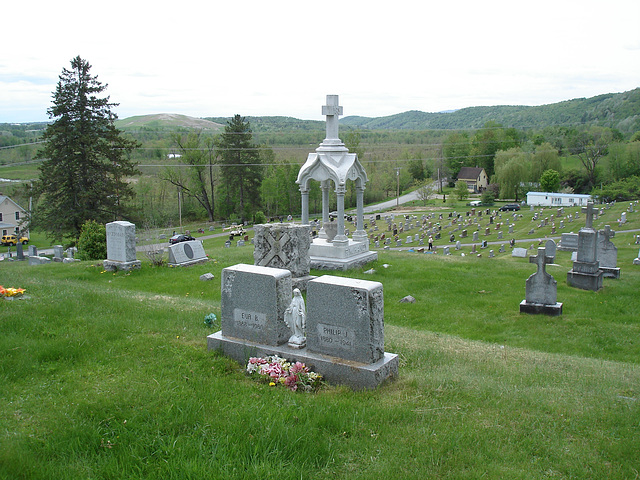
86, 159
240, 168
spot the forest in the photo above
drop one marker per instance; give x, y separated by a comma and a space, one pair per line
581, 145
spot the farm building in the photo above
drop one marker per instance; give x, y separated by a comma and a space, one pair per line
475, 177
557, 199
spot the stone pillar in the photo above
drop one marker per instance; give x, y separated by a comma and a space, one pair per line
360, 235
324, 185
340, 238
305, 206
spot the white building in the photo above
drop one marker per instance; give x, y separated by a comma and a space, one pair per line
557, 199
12, 217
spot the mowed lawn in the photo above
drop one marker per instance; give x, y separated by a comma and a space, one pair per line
108, 376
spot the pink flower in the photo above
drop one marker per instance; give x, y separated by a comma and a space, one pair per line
275, 370
298, 367
292, 382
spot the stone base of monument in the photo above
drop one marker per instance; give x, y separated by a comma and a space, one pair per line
636, 261
329, 256
610, 272
584, 280
539, 308
114, 266
336, 371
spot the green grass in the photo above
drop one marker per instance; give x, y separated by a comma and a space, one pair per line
108, 376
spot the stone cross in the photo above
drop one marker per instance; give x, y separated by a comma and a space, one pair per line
589, 211
541, 260
332, 110
608, 233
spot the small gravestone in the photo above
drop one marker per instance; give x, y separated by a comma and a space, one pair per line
33, 251
550, 250
500, 235
569, 242
511, 228
206, 277
240, 243
636, 261
608, 253
36, 260
183, 254
19, 252
519, 252
121, 247
58, 253
227, 244
458, 245
491, 255
541, 290
502, 250
445, 250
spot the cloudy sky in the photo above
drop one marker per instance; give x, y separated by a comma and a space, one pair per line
207, 58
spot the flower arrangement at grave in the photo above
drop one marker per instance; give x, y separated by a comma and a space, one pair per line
278, 371
10, 292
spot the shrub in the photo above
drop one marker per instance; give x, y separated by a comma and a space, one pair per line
259, 218
92, 244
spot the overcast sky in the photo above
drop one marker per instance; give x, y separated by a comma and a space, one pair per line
205, 58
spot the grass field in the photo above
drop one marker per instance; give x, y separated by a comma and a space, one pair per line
107, 376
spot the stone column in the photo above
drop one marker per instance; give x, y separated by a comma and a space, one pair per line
360, 235
324, 185
340, 238
305, 205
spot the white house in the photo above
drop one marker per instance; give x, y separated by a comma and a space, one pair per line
557, 199
12, 217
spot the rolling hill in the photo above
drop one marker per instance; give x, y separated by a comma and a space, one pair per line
617, 110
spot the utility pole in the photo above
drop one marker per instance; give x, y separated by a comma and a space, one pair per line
398, 186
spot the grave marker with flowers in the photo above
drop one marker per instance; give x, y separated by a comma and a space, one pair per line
344, 329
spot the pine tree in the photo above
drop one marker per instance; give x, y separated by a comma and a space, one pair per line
86, 158
240, 167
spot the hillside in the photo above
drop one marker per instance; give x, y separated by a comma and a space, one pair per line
166, 120
618, 110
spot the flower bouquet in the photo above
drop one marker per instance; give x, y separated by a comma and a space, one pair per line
10, 293
278, 371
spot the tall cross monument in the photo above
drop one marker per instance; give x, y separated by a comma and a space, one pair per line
333, 164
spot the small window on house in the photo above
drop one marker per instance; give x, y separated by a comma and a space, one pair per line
0, 217
17, 215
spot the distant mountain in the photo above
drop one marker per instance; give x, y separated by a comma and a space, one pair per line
618, 110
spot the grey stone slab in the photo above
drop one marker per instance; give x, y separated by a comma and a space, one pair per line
283, 245
345, 318
254, 299
357, 376
187, 253
121, 241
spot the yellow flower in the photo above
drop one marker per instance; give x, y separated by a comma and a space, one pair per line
272, 384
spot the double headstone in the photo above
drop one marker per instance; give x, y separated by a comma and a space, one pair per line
344, 324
